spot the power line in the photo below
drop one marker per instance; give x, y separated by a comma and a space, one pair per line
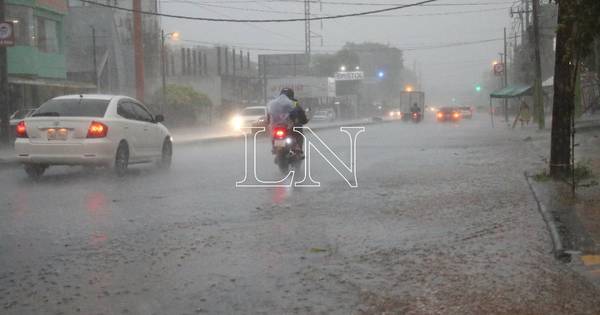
413, 48
329, 17
302, 13
345, 3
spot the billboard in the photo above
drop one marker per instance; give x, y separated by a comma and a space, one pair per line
283, 65
304, 86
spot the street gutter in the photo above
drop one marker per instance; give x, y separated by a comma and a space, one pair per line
559, 251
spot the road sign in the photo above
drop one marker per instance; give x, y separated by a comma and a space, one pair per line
498, 69
7, 36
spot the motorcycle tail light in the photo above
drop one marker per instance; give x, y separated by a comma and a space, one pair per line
279, 133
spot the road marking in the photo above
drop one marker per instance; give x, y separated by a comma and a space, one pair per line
589, 260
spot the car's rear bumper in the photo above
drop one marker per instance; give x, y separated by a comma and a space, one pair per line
87, 152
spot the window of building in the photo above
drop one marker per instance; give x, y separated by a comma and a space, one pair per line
47, 35
22, 18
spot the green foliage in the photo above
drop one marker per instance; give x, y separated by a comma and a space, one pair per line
184, 105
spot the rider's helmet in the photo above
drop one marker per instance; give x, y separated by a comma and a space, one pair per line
287, 92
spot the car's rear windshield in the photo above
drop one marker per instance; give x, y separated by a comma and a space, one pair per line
73, 108
253, 112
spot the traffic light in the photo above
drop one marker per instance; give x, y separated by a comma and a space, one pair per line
478, 88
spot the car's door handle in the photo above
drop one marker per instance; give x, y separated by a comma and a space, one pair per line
145, 129
125, 127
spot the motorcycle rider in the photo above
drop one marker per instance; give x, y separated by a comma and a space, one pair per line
297, 115
415, 109
287, 110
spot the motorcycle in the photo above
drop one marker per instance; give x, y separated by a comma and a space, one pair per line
286, 148
416, 117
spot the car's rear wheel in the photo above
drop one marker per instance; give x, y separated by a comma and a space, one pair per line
35, 171
166, 155
121, 159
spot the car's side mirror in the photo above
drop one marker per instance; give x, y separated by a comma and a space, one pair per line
159, 118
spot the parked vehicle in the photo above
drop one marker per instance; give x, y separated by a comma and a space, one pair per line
94, 130
324, 115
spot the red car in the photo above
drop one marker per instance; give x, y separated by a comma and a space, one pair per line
448, 114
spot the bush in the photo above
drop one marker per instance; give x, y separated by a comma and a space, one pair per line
184, 106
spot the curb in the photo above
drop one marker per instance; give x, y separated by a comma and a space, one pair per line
241, 136
559, 251
8, 163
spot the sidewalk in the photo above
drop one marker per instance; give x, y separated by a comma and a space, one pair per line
576, 217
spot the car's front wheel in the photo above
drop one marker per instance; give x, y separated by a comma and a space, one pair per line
35, 171
121, 159
166, 155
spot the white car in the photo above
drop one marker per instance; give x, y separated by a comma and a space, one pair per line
93, 130
253, 116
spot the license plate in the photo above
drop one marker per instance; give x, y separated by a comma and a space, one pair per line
279, 143
57, 133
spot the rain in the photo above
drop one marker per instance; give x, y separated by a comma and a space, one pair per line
299, 157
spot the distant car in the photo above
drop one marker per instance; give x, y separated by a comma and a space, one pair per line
448, 114
395, 114
94, 130
466, 112
253, 116
324, 115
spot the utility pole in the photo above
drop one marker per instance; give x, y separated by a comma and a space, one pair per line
505, 77
94, 58
307, 35
538, 103
138, 50
163, 71
4, 101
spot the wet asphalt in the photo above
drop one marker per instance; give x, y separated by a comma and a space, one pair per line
442, 222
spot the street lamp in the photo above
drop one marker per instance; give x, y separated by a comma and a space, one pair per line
357, 68
173, 36
343, 68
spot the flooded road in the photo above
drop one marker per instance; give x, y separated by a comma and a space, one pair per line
442, 221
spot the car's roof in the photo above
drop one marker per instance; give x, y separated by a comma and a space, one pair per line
91, 96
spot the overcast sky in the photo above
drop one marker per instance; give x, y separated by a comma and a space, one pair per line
445, 70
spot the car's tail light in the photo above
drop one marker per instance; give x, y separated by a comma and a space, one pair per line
97, 130
21, 130
440, 115
279, 133
456, 115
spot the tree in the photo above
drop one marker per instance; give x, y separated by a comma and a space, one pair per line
327, 65
184, 105
578, 25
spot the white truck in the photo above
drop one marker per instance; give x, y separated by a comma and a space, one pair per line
408, 99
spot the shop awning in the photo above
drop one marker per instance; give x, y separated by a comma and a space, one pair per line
51, 83
515, 90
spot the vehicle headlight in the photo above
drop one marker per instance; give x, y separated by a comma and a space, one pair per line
236, 122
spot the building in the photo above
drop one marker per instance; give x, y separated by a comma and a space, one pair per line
111, 30
36, 64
